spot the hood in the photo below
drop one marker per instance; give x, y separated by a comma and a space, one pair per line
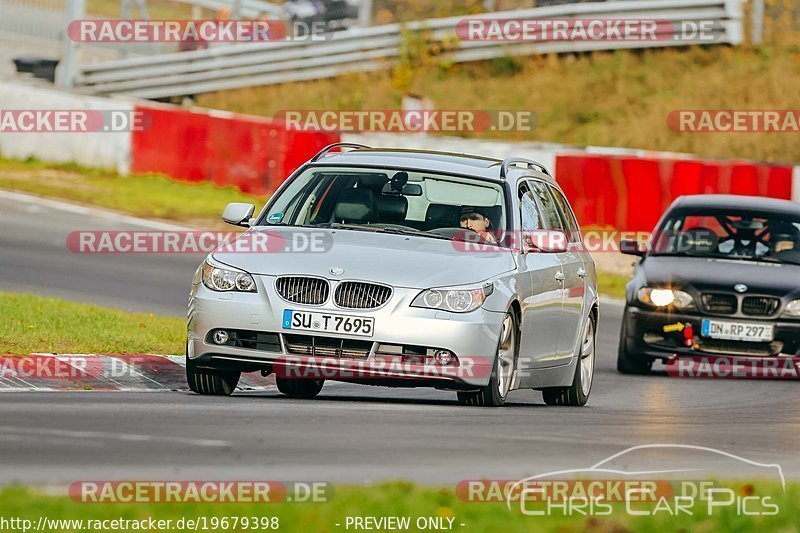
396, 260
777, 279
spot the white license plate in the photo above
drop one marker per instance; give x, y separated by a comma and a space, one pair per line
329, 323
738, 331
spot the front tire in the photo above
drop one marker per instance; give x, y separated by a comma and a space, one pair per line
210, 382
494, 394
299, 388
628, 363
577, 394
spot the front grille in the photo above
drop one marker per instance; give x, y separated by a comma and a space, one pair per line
327, 346
302, 290
760, 305
358, 295
724, 304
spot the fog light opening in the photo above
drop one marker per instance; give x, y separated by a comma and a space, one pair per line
444, 357
220, 336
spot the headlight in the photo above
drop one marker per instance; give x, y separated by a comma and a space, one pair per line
220, 279
793, 309
455, 300
664, 297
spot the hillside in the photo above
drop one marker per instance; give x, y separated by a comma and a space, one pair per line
606, 98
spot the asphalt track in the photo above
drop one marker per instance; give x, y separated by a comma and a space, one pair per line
351, 433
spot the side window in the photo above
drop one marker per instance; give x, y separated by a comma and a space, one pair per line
529, 213
547, 206
570, 224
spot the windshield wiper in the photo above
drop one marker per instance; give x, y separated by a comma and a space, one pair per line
341, 225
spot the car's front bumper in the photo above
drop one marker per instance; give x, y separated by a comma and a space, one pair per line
472, 337
646, 336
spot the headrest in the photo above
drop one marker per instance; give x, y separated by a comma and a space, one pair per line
355, 205
392, 208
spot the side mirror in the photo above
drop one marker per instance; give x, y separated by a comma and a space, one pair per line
631, 247
547, 241
238, 213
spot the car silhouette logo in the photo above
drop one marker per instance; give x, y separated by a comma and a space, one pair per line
336, 271
740, 287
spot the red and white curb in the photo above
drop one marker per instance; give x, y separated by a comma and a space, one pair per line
126, 372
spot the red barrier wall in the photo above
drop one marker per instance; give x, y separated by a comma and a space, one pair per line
252, 153
630, 193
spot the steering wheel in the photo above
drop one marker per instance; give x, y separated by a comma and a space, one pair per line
470, 234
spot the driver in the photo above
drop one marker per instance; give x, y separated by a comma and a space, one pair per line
475, 219
785, 242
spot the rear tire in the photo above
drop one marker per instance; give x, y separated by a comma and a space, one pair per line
299, 388
210, 382
577, 394
628, 363
494, 394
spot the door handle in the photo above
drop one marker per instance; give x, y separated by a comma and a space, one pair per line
559, 276
581, 273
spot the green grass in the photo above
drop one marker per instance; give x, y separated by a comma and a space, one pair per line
33, 323
407, 499
610, 284
149, 196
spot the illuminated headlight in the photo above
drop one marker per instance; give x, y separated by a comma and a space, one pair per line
455, 300
223, 280
664, 297
793, 309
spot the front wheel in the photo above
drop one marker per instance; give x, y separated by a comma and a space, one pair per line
628, 363
211, 382
494, 394
578, 393
299, 388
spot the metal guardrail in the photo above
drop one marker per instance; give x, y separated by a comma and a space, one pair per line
369, 49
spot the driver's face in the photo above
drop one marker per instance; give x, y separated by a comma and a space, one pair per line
475, 222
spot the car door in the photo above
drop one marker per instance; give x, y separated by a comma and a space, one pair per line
558, 217
542, 305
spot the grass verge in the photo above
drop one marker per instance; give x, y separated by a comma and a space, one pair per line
612, 285
402, 499
148, 196
39, 324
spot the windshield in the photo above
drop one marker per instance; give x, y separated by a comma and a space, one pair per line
732, 234
420, 203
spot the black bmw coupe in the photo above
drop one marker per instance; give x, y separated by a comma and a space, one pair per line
721, 276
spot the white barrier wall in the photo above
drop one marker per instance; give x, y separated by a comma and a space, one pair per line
796, 184
96, 149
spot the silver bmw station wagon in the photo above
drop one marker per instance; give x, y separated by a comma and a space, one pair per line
428, 269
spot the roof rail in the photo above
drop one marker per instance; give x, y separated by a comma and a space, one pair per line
529, 163
330, 147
